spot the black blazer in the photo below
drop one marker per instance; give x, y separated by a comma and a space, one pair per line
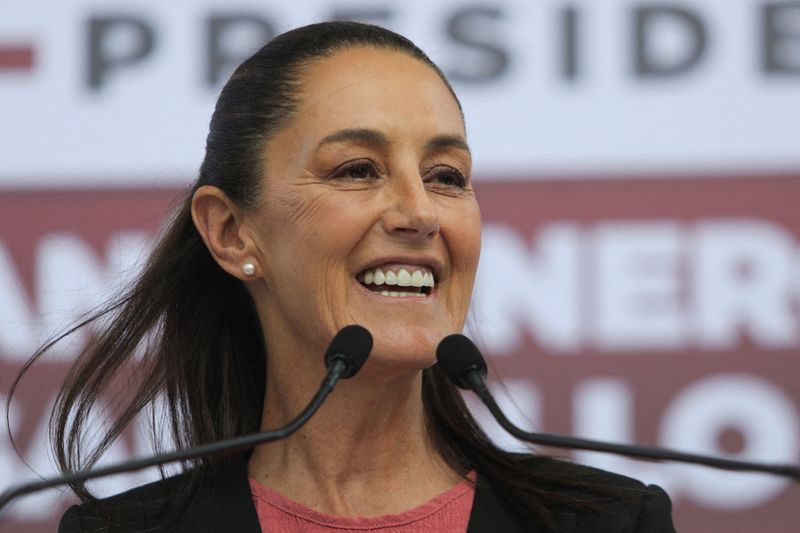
225, 504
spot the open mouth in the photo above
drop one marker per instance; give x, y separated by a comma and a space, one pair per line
398, 282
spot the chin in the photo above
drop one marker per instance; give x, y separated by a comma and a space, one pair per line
409, 353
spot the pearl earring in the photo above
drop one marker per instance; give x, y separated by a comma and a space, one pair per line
249, 269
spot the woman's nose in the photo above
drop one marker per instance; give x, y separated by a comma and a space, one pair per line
411, 211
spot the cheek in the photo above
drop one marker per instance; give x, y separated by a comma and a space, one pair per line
465, 244
328, 212
300, 224
299, 214
311, 232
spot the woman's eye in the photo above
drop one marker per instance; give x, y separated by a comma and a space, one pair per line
447, 176
357, 170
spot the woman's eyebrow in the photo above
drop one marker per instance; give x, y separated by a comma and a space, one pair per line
355, 134
376, 137
447, 141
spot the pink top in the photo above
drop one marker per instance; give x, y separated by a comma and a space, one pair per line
447, 513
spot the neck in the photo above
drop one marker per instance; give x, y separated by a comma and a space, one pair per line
361, 454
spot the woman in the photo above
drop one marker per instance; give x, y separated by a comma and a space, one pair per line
335, 190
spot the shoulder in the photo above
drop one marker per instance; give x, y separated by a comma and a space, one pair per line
578, 474
188, 502
583, 499
134, 508
621, 503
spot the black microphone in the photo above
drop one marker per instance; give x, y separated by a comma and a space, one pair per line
344, 357
465, 367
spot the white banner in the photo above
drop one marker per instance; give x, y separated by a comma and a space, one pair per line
119, 88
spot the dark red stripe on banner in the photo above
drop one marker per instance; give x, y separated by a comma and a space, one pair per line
16, 57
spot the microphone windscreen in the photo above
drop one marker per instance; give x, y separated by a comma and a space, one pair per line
457, 356
352, 345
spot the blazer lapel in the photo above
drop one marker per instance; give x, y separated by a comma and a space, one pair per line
224, 504
491, 513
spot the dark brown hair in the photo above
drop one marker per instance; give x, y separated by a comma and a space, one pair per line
190, 334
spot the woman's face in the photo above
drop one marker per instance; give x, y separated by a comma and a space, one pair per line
367, 214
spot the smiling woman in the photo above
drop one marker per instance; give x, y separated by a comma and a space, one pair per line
335, 190
371, 173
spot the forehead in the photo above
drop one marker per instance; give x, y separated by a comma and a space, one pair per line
378, 87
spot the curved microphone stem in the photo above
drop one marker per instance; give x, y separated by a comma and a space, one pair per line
335, 372
475, 381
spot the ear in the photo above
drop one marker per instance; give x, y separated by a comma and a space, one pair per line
219, 222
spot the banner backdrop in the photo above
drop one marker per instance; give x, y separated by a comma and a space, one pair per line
637, 167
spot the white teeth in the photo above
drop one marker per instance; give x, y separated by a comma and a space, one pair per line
399, 294
403, 278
